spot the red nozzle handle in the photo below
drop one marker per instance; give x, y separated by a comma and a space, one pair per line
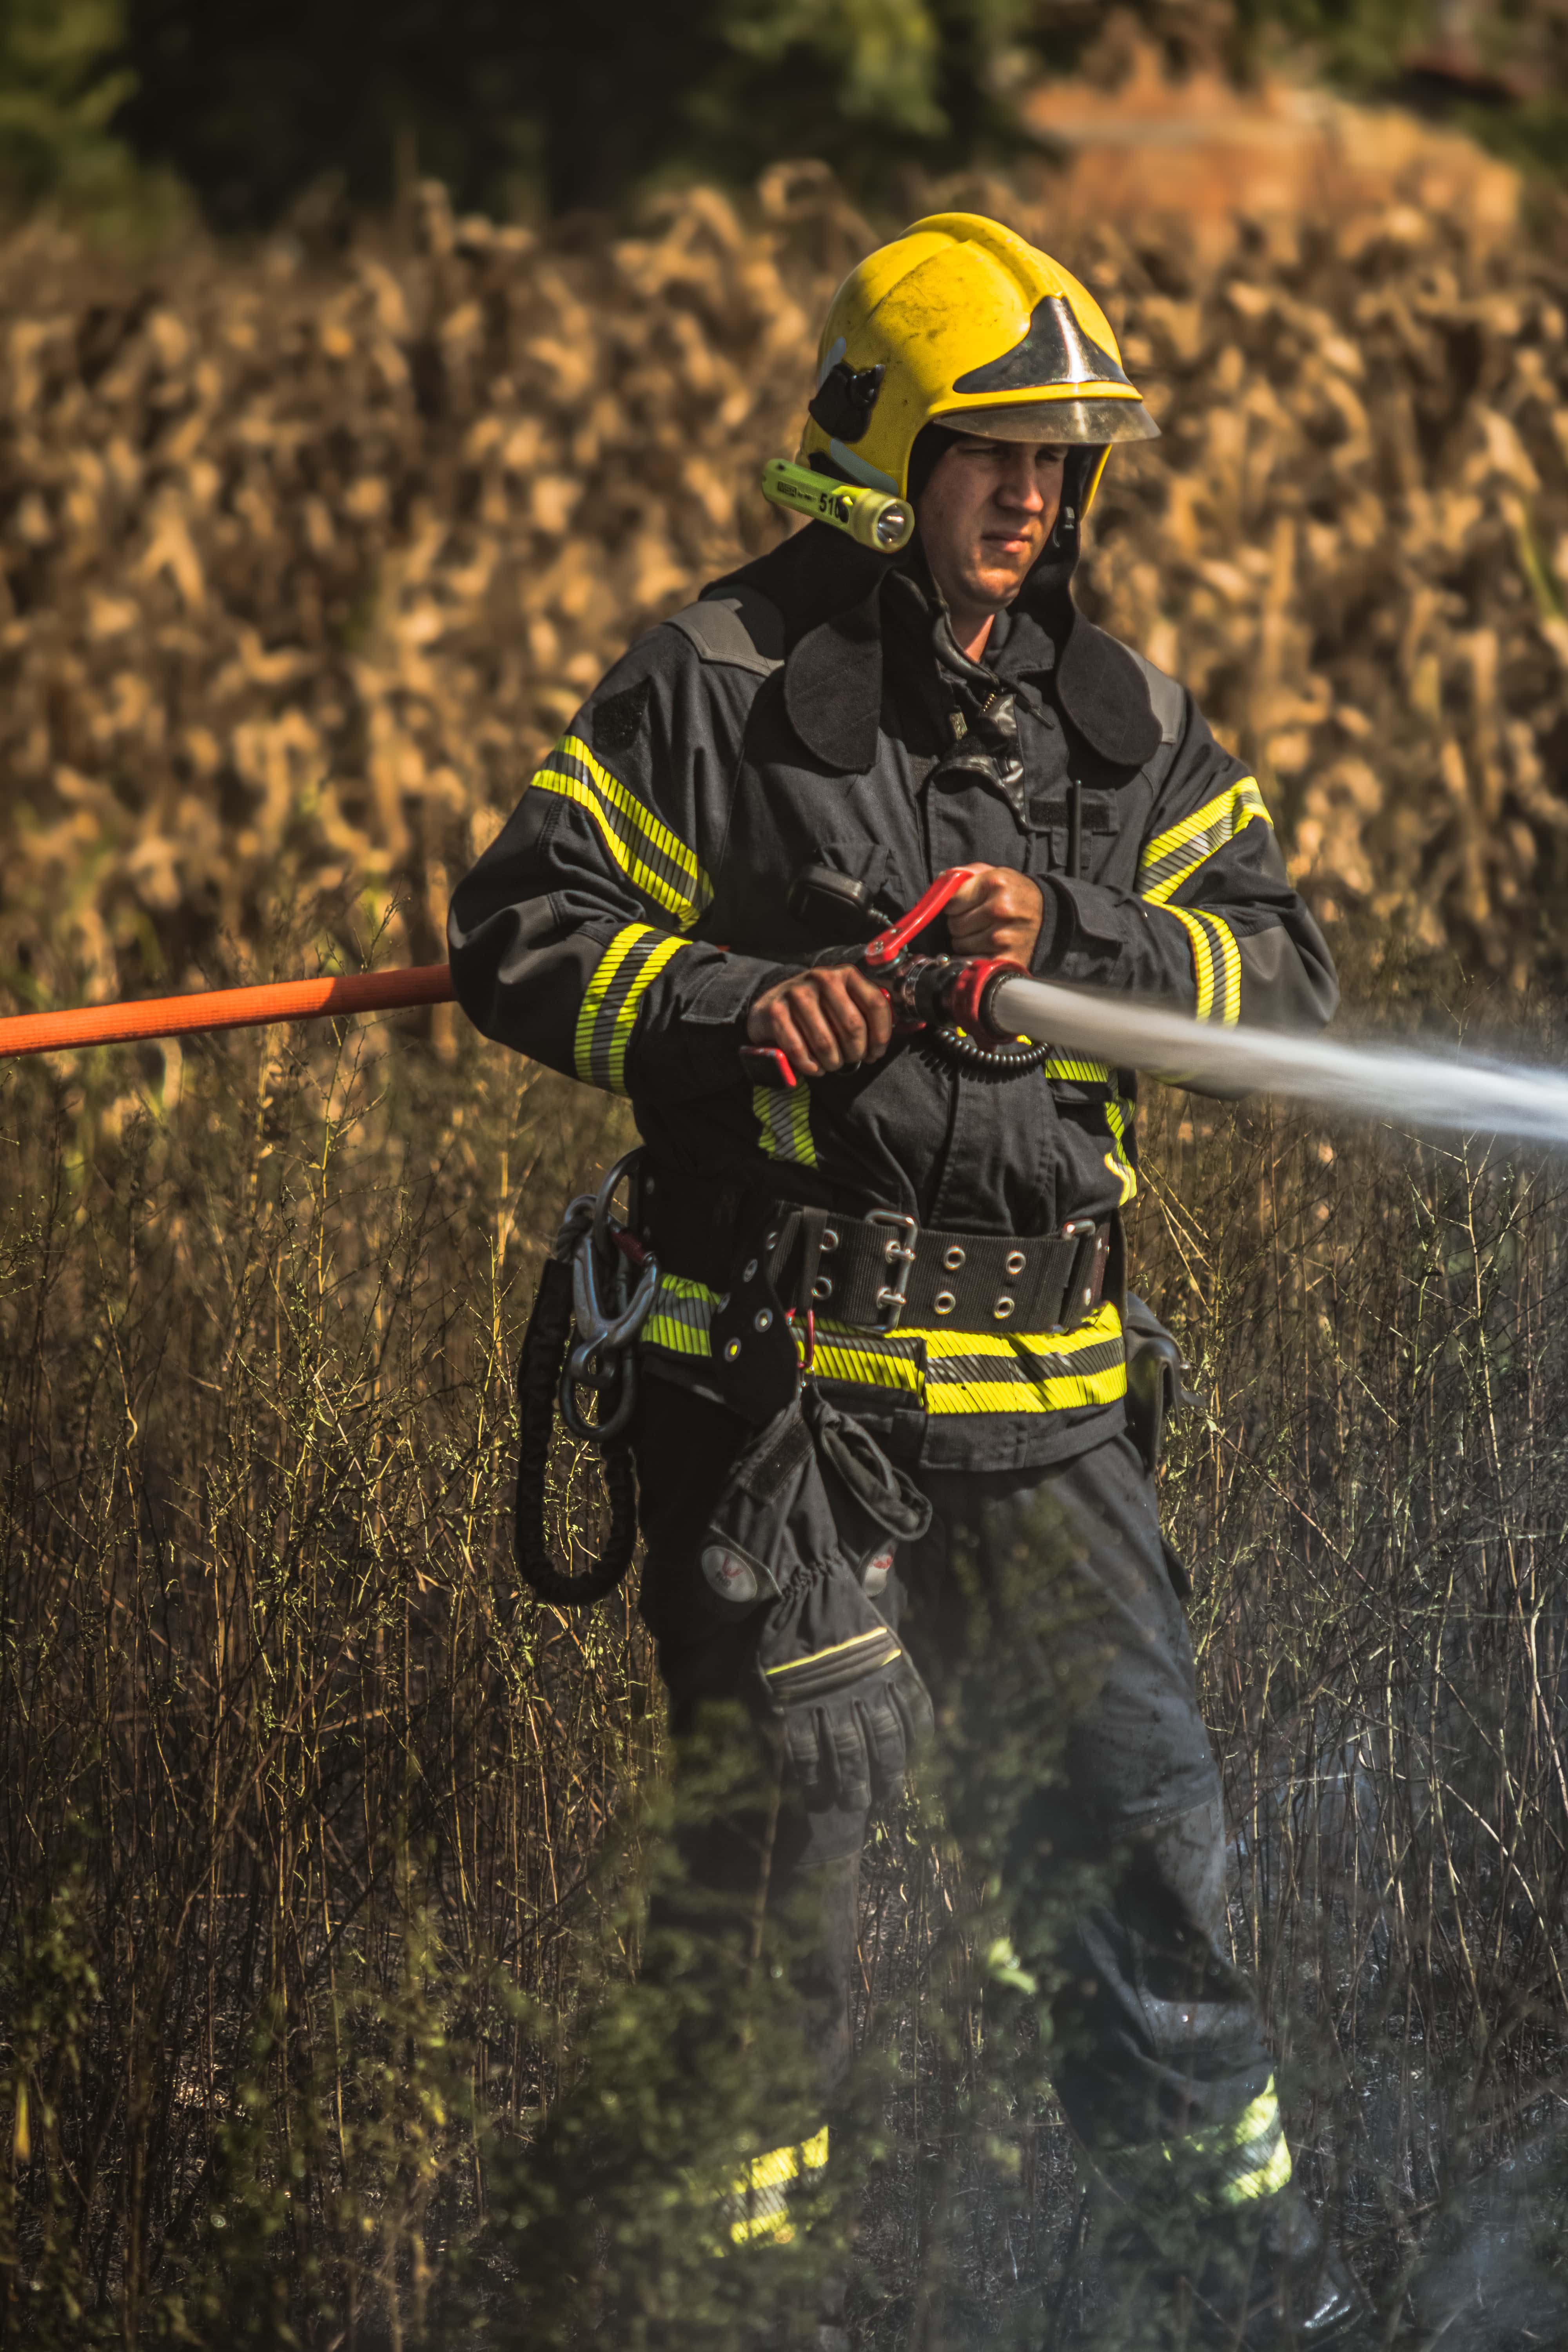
768, 1066
889, 945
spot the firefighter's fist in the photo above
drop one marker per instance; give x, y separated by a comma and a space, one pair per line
997, 912
828, 1018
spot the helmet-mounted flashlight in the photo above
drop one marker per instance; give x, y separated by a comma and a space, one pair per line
871, 517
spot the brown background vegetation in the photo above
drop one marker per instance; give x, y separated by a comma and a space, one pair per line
307, 557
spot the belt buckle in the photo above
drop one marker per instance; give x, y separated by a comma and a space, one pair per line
1087, 1268
893, 1297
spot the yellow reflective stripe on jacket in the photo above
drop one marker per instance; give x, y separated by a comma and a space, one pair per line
870, 1361
1216, 963
654, 860
758, 2200
681, 1314
612, 999
1250, 2158
784, 1121
997, 1371
1167, 860
938, 1370
1119, 1159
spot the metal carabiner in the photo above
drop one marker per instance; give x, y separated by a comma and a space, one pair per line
586, 1365
605, 1225
605, 1329
600, 1334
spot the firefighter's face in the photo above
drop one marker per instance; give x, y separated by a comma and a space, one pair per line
985, 515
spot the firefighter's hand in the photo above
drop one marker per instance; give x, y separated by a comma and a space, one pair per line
824, 1019
997, 913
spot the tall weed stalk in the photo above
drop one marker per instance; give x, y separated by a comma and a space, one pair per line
320, 1936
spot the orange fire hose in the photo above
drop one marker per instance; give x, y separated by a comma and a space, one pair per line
226, 1008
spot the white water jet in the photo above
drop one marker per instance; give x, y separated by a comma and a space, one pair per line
1453, 1092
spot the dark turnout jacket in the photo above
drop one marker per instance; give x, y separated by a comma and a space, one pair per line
812, 709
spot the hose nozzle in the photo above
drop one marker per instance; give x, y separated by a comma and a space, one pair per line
871, 517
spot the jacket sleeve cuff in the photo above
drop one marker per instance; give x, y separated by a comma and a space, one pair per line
1054, 930
688, 1041
721, 992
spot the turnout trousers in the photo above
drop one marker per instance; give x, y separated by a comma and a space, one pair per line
1053, 1580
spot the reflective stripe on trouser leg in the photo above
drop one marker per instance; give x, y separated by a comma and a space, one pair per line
757, 2207
1251, 2153
1230, 2167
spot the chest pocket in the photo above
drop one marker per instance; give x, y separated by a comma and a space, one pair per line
1072, 830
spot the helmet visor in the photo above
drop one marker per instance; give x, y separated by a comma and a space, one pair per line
1068, 422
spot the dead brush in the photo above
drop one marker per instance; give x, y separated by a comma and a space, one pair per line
269, 1716
299, 1822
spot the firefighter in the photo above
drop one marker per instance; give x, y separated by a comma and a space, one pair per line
787, 763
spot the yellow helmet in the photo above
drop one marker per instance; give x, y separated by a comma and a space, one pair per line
960, 322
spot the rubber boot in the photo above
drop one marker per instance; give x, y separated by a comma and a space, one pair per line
1275, 2285
1255, 2278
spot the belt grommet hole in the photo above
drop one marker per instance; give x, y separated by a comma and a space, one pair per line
821, 1287
1015, 1261
1004, 1307
943, 1303
953, 1259
830, 1240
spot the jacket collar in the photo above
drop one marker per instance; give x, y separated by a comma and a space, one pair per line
832, 595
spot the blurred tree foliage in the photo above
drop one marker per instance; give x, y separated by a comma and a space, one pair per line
255, 100
63, 80
521, 106
516, 104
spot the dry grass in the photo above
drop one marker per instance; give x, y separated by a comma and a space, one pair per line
299, 1822
307, 557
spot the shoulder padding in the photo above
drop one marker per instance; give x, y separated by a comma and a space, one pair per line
739, 628
1167, 695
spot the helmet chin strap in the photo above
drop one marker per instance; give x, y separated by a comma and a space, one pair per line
1051, 574
1078, 474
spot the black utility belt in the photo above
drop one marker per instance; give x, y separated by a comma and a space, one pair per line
875, 1273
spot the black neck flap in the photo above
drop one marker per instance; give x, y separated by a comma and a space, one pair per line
1105, 694
829, 593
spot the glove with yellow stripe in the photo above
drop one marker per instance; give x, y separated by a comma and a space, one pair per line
812, 1514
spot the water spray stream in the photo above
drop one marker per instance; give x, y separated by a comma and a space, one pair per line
1452, 1093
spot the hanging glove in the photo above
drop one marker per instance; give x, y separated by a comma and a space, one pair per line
850, 1705
811, 1504
876, 1508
